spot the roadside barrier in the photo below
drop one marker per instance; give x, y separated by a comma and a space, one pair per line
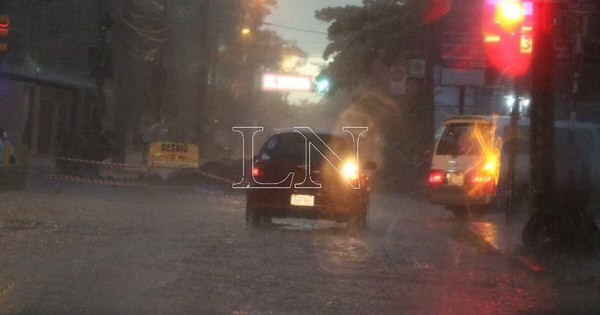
222, 179
102, 163
95, 181
120, 182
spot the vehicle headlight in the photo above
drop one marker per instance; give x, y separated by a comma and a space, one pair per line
350, 170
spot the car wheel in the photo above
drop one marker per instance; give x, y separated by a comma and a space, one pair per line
359, 219
252, 218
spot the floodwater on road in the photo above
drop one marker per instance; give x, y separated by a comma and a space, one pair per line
72, 249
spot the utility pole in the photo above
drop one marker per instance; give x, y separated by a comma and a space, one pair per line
512, 156
101, 63
542, 102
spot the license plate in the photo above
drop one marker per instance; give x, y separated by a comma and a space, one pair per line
303, 200
457, 179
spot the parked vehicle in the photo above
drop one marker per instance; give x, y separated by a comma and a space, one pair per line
470, 161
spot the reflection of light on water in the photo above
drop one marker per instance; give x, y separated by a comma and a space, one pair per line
305, 224
342, 252
488, 231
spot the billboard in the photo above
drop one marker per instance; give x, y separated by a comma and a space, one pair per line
286, 82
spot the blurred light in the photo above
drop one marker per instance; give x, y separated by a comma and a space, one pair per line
510, 100
350, 170
256, 171
485, 178
523, 102
509, 13
526, 43
4, 21
286, 82
246, 31
290, 63
492, 38
492, 164
437, 177
481, 179
322, 85
508, 36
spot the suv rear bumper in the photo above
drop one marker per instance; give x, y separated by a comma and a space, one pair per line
327, 205
458, 196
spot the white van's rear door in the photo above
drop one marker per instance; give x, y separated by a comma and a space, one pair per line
457, 152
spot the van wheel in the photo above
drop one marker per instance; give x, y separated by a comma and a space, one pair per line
459, 212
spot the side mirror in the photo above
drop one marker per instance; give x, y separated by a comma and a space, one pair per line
370, 166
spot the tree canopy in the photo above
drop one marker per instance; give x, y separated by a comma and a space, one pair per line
365, 39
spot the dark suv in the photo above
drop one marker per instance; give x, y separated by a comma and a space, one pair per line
344, 192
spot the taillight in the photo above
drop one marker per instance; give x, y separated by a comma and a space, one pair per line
256, 171
481, 178
437, 177
482, 181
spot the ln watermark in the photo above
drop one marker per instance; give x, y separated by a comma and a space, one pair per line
311, 145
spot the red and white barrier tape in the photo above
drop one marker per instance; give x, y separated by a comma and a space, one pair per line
95, 181
109, 164
222, 179
123, 165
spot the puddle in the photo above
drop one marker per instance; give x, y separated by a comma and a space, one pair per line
306, 224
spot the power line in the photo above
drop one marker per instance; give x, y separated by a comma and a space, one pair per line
295, 28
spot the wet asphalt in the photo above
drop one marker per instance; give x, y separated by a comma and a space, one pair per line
80, 249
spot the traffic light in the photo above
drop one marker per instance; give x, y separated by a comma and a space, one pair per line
322, 85
507, 31
4, 23
509, 14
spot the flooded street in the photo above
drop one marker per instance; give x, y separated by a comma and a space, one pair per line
74, 249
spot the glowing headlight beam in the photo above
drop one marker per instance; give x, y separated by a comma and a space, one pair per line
350, 170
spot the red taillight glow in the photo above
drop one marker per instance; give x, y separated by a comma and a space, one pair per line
482, 182
481, 178
4, 21
437, 177
256, 171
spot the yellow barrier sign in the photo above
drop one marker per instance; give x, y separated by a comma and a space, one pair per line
176, 155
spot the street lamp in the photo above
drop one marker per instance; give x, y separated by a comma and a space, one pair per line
289, 63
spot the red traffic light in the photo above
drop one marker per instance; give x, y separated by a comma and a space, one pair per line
509, 14
507, 34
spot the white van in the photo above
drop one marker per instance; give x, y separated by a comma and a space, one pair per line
470, 159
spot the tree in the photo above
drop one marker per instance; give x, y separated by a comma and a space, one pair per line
365, 42
236, 63
363, 39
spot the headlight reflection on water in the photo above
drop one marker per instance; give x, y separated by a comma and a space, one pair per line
344, 254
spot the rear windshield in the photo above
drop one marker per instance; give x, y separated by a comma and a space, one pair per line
457, 139
291, 146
